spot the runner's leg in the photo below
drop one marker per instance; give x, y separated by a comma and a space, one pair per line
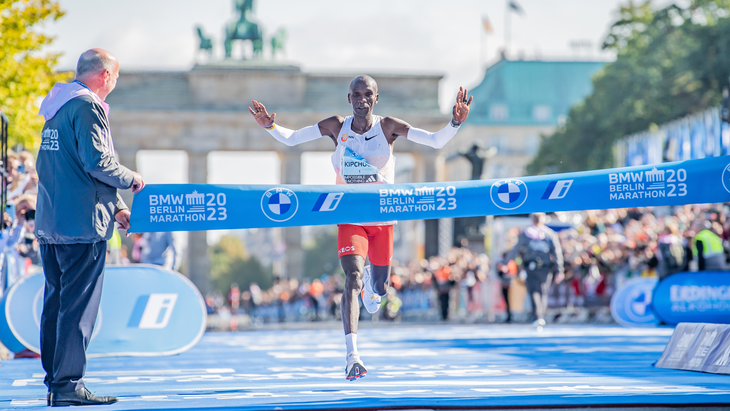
380, 251
381, 278
352, 249
353, 266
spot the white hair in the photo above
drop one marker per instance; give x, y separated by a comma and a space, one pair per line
93, 62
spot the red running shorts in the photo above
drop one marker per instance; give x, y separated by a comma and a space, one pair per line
375, 242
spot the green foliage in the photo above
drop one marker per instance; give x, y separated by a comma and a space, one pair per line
320, 257
26, 74
670, 63
230, 263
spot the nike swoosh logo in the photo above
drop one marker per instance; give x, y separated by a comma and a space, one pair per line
371, 137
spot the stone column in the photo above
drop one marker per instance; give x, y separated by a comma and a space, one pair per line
291, 168
197, 266
426, 171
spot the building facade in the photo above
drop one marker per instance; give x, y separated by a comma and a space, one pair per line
516, 103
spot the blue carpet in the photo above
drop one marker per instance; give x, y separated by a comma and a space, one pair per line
410, 366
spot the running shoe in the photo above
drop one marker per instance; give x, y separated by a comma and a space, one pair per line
355, 370
370, 300
539, 323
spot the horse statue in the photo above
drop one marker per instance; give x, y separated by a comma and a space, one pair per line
277, 42
244, 29
206, 43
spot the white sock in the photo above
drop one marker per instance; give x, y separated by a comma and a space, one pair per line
351, 342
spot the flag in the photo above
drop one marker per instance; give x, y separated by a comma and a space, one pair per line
516, 7
487, 25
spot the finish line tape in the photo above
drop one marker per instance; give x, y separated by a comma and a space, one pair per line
195, 207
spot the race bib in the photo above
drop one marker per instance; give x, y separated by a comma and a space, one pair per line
356, 170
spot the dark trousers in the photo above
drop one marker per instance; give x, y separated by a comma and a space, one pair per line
74, 274
444, 302
538, 286
505, 295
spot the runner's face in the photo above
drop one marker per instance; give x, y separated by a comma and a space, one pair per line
363, 97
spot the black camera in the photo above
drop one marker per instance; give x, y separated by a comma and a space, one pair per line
30, 215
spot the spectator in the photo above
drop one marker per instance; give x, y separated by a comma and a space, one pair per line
670, 256
506, 270
234, 298
443, 283
542, 257
160, 249
707, 247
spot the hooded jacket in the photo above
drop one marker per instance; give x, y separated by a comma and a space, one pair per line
78, 173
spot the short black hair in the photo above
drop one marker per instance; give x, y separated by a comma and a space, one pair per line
364, 78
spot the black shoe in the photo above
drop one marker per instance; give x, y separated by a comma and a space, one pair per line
78, 397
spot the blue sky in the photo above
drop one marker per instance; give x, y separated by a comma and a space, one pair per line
403, 36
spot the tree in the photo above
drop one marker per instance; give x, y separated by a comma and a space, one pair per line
230, 263
670, 63
26, 73
320, 257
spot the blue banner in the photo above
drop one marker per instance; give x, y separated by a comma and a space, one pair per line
195, 207
693, 297
145, 310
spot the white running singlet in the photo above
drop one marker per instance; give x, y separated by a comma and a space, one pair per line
364, 158
369, 158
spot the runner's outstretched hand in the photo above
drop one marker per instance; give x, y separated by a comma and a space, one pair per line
259, 113
461, 108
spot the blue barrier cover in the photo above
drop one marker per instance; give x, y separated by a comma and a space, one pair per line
631, 304
145, 311
694, 297
698, 347
193, 207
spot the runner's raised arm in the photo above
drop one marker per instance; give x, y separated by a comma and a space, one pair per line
394, 127
328, 127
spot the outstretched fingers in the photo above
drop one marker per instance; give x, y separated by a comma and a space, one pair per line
255, 108
259, 113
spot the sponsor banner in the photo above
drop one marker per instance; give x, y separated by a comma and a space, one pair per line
145, 310
693, 297
698, 347
194, 207
631, 304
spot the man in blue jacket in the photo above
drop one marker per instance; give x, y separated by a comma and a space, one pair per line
77, 206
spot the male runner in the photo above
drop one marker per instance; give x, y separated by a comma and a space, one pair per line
363, 154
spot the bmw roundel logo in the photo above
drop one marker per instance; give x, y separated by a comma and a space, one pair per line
508, 194
726, 178
279, 204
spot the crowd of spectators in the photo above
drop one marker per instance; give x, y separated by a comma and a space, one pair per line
19, 248
602, 250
